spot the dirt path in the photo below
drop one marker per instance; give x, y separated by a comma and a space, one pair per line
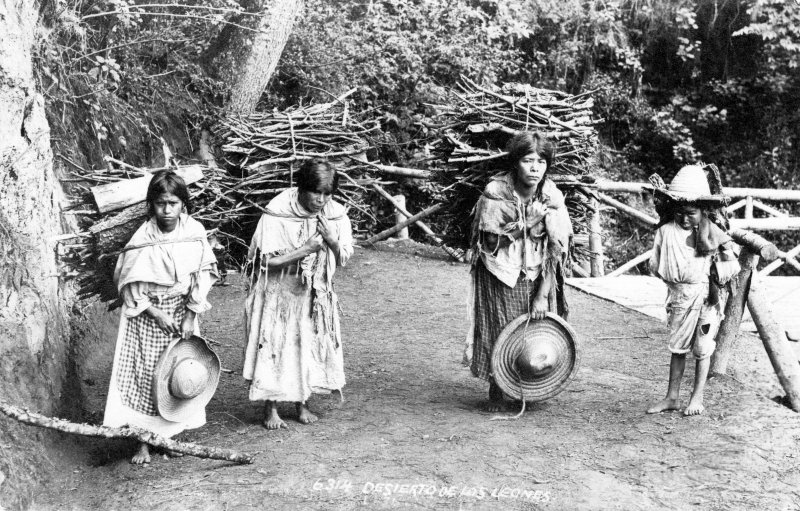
409, 434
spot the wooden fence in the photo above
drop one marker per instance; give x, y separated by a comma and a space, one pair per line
746, 200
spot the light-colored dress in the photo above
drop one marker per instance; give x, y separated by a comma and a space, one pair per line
693, 323
294, 344
172, 272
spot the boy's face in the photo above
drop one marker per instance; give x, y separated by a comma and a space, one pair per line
688, 217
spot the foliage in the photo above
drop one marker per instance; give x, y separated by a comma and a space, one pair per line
676, 81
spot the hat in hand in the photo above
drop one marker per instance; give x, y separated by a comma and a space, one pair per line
185, 379
534, 360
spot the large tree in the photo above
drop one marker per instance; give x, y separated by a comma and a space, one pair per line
246, 53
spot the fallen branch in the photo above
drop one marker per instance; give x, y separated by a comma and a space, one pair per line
144, 436
405, 223
427, 230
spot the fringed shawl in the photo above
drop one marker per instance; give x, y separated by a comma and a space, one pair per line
164, 258
284, 227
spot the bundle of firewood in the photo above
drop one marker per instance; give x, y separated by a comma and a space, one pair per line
477, 122
261, 151
266, 148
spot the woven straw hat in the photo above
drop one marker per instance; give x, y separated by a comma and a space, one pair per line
535, 360
185, 379
690, 184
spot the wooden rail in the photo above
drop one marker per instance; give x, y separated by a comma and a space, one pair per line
750, 200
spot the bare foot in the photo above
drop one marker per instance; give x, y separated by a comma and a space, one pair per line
142, 456
495, 403
271, 418
665, 405
695, 406
173, 454
304, 415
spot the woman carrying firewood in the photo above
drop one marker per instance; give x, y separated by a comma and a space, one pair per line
294, 344
520, 238
163, 276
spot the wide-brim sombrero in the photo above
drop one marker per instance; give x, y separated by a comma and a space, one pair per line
522, 337
691, 184
194, 350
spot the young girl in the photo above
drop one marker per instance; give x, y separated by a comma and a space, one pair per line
695, 258
520, 239
163, 276
294, 344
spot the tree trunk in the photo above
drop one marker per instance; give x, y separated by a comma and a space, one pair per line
246, 59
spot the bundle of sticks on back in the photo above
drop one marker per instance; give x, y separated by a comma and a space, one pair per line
266, 148
477, 123
262, 152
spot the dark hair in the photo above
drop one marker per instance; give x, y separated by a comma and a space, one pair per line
526, 142
316, 173
166, 181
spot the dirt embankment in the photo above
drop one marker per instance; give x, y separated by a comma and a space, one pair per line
409, 433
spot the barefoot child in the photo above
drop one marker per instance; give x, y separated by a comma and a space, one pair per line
520, 238
695, 258
294, 343
163, 276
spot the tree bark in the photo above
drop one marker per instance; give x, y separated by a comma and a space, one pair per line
246, 59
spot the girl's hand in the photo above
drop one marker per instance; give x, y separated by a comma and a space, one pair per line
539, 308
166, 323
538, 212
313, 244
324, 230
187, 325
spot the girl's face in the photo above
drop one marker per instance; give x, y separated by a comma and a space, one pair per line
167, 209
314, 201
688, 217
531, 169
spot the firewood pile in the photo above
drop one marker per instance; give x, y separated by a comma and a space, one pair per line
475, 126
267, 147
259, 154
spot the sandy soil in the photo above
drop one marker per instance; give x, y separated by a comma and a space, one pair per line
409, 433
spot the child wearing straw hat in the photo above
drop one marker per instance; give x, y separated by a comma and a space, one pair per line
695, 258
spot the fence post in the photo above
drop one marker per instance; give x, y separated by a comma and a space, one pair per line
596, 240
748, 207
734, 309
402, 234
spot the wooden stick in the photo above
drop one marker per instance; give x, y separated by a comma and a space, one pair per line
769, 209
647, 220
734, 309
596, 241
787, 257
631, 264
780, 353
767, 224
734, 193
400, 171
757, 244
736, 205
144, 436
405, 223
427, 230
748, 207
580, 271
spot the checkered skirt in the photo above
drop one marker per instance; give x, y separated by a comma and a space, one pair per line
141, 347
496, 305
